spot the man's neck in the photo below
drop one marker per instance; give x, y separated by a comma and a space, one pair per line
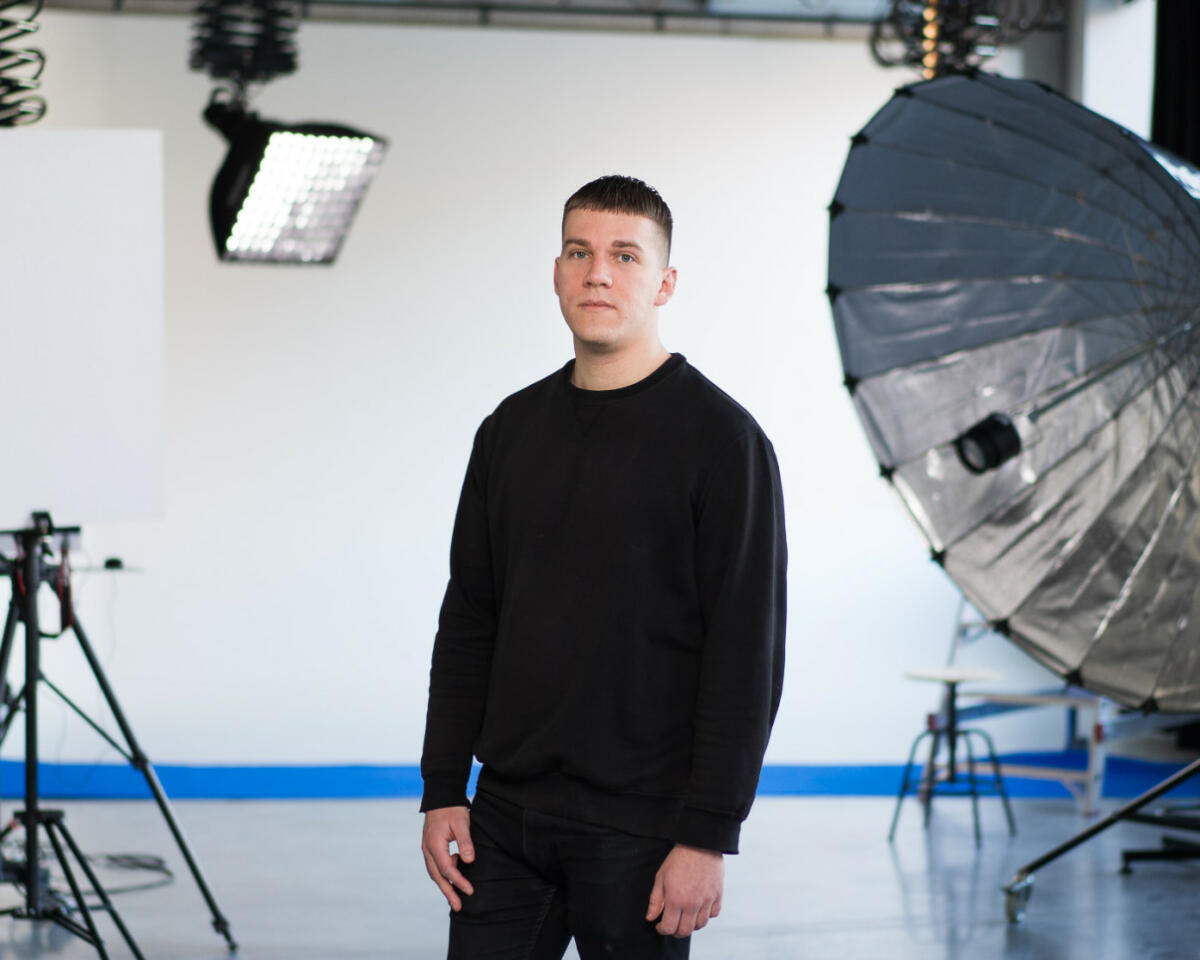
611, 371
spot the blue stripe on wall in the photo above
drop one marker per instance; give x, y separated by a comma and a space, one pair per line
69, 781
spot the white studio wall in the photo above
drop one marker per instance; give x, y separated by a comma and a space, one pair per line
1114, 73
318, 421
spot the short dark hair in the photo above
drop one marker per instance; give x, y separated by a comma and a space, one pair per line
618, 194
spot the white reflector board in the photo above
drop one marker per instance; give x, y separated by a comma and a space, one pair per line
81, 334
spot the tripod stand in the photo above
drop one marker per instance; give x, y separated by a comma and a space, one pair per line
27, 572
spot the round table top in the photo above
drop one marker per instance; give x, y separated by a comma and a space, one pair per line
953, 674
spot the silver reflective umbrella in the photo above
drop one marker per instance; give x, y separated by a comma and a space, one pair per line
1015, 283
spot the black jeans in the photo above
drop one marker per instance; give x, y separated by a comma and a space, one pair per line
540, 880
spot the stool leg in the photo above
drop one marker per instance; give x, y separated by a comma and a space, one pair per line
904, 783
929, 774
950, 710
1000, 788
974, 785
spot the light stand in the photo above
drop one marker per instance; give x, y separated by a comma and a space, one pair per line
27, 572
1020, 888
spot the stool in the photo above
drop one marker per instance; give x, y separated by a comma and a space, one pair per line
944, 729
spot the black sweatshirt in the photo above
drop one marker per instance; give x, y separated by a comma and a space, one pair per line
611, 641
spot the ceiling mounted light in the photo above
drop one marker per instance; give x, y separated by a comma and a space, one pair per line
953, 36
286, 193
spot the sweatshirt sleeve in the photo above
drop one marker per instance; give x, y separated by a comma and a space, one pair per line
741, 571
462, 649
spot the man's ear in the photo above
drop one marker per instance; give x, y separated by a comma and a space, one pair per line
556, 259
667, 288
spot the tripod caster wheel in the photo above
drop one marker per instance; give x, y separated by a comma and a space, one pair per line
1016, 896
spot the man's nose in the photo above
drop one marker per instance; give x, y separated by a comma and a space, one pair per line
598, 274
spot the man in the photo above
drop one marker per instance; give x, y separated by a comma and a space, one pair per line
610, 645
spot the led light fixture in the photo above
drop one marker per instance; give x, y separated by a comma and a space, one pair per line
287, 193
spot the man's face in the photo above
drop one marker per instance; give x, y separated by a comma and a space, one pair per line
611, 277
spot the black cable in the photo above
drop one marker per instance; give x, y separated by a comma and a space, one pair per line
20, 69
146, 862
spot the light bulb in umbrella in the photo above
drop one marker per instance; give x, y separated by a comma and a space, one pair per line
991, 442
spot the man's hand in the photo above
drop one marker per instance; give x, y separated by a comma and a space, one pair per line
442, 826
687, 890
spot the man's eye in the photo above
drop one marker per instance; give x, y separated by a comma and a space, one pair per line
625, 257
577, 254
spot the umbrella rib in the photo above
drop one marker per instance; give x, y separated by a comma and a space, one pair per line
1073, 486
1171, 194
1117, 411
1139, 564
901, 286
1179, 628
1091, 205
1060, 233
1074, 387
1055, 394
1065, 325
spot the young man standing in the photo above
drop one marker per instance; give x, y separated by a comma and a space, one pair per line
611, 641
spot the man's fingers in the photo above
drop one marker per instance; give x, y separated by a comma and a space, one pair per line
443, 827
460, 832
443, 868
690, 881
447, 864
442, 883
669, 923
686, 924
656, 900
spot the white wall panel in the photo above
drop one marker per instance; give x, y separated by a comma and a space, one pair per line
82, 337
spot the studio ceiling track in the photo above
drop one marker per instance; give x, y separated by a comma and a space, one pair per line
843, 19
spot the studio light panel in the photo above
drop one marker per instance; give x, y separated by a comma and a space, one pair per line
290, 194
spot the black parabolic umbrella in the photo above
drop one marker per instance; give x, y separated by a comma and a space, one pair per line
1015, 283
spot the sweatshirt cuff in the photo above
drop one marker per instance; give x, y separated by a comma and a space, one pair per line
707, 830
441, 793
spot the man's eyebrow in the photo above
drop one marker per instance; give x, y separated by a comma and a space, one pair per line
623, 244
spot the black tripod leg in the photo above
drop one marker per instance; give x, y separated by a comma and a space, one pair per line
10, 633
81, 859
1020, 888
142, 763
6, 646
92, 935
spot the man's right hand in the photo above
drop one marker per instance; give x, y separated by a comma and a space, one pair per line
442, 826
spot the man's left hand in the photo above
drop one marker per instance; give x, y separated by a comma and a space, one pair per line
687, 890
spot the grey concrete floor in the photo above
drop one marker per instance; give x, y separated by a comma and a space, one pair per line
816, 879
